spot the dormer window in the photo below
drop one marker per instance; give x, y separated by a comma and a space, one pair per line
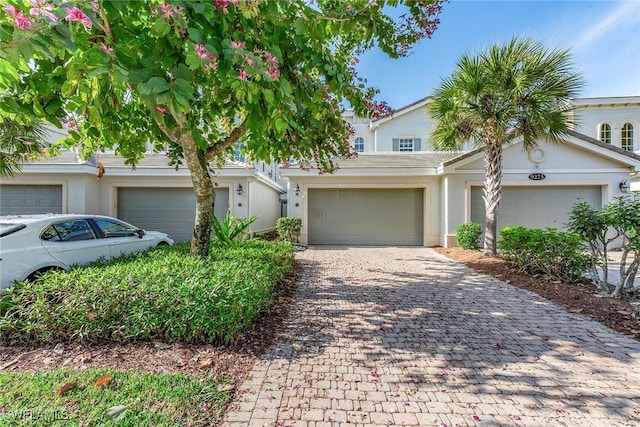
626, 137
358, 145
605, 133
406, 144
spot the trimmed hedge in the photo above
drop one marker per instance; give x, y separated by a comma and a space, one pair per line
160, 294
558, 254
468, 235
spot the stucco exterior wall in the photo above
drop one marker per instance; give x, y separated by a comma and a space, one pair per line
413, 124
264, 202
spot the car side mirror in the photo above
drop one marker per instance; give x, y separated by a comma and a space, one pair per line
140, 232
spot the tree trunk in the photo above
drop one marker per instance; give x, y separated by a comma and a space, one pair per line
492, 193
205, 196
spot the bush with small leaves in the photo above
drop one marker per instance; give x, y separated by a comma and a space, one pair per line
289, 228
558, 254
161, 294
468, 235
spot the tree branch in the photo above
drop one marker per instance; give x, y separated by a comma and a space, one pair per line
231, 139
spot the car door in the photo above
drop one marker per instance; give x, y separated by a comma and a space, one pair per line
121, 237
74, 242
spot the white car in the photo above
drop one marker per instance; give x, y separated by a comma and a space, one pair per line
33, 244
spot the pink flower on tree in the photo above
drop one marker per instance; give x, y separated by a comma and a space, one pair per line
243, 75
106, 48
41, 8
201, 51
78, 15
21, 20
238, 45
95, 6
162, 110
274, 73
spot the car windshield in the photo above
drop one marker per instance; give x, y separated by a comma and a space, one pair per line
7, 228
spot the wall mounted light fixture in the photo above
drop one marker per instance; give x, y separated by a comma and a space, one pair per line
239, 190
297, 190
624, 186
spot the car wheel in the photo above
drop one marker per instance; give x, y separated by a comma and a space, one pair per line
162, 244
36, 274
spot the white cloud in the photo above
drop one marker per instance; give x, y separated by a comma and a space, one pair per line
624, 14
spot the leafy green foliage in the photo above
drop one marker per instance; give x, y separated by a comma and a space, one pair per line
468, 235
149, 398
159, 294
229, 231
289, 228
20, 142
555, 253
599, 228
200, 76
593, 226
519, 90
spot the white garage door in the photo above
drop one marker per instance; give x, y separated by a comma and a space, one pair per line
393, 216
170, 210
536, 207
30, 199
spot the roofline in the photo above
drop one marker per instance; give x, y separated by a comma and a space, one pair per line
400, 111
572, 133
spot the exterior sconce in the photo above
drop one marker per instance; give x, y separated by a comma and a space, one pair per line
297, 190
624, 186
239, 190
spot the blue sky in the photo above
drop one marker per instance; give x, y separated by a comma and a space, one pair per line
603, 37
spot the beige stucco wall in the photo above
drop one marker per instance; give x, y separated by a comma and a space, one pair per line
264, 202
562, 165
412, 124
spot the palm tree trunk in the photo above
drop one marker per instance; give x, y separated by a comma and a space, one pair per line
492, 194
205, 197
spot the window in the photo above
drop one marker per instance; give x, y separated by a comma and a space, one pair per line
358, 145
605, 133
112, 228
626, 138
68, 231
406, 144
237, 154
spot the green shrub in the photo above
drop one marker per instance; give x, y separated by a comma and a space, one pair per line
228, 232
468, 235
555, 253
160, 294
289, 228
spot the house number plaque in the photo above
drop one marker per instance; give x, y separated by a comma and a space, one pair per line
537, 176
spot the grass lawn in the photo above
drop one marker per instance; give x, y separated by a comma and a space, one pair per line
128, 398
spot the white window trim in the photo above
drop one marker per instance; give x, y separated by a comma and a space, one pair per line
403, 144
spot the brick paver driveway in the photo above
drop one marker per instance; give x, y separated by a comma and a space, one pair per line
403, 336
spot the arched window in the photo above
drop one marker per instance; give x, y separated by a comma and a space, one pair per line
605, 133
626, 137
358, 145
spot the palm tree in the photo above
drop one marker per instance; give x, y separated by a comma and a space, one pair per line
517, 91
18, 143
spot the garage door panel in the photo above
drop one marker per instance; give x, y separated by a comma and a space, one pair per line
30, 199
169, 210
536, 207
366, 216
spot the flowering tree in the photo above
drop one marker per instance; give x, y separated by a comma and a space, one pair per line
198, 76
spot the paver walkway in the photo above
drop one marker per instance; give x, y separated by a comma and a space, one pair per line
404, 336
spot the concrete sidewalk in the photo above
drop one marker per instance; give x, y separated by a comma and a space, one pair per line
404, 336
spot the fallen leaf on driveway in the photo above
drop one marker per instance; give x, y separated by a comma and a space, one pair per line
206, 364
